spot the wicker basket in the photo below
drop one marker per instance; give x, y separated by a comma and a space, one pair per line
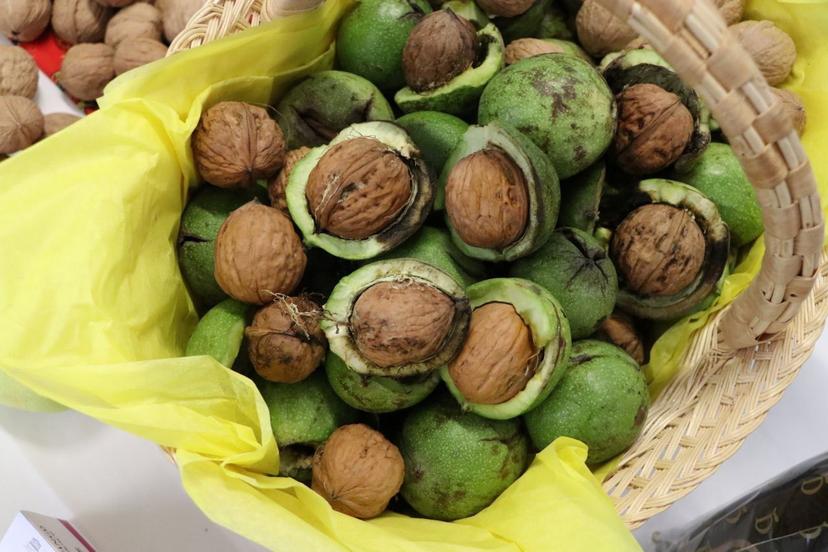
738, 366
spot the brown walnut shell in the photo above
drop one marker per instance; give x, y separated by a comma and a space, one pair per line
358, 188
55, 122
24, 20
498, 358
21, 123
115, 3
794, 107
619, 330
654, 128
358, 471
86, 70
731, 10
177, 14
285, 341
77, 21
523, 48
398, 323
658, 249
18, 72
135, 52
140, 20
258, 254
771, 48
487, 199
505, 8
236, 144
440, 47
600, 31
277, 188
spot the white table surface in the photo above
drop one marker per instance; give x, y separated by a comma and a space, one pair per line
124, 493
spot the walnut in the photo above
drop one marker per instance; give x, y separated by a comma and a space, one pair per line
86, 70
637, 43
135, 52
794, 106
258, 254
440, 47
236, 144
600, 31
55, 122
731, 10
398, 323
115, 3
358, 188
358, 471
18, 72
24, 20
498, 357
654, 128
528, 47
619, 330
276, 189
177, 14
76, 21
285, 341
487, 200
21, 123
771, 48
658, 249
140, 20
505, 8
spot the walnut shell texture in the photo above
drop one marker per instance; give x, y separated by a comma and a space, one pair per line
498, 357
358, 188
505, 8
115, 3
529, 47
21, 123
794, 107
76, 21
258, 254
771, 48
487, 199
24, 20
285, 341
358, 471
236, 144
86, 70
654, 128
440, 47
55, 122
135, 52
277, 188
731, 10
140, 20
398, 323
619, 330
600, 31
658, 249
18, 72
176, 15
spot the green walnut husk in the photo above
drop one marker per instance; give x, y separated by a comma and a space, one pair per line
314, 111
340, 308
524, 25
576, 269
581, 198
303, 415
555, 23
602, 401
200, 223
545, 318
406, 224
220, 333
543, 189
458, 463
559, 101
644, 65
434, 246
378, 394
717, 246
468, 9
459, 96
719, 176
436, 134
371, 39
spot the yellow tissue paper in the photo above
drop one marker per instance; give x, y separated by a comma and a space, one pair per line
95, 314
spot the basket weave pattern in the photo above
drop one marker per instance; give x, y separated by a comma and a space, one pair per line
740, 363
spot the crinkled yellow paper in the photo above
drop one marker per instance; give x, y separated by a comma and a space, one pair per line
94, 314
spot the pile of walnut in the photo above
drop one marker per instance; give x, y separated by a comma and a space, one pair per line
105, 38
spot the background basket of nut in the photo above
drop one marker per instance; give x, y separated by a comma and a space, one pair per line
449, 266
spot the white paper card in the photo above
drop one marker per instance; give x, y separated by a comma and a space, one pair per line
30, 532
